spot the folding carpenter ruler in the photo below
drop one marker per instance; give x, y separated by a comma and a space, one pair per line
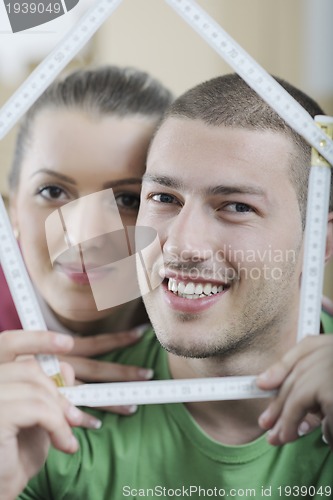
199, 389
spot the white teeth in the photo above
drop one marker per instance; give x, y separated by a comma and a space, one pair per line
191, 290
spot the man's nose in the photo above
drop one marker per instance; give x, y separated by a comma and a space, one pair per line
190, 235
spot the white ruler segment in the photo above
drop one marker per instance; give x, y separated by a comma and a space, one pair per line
127, 393
254, 75
165, 391
21, 289
315, 239
52, 65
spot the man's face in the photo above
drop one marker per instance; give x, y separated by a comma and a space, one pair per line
229, 224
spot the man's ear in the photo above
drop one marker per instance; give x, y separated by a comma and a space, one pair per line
329, 238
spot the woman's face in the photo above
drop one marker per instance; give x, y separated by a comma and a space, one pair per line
70, 155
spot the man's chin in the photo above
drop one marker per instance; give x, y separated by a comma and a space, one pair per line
191, 350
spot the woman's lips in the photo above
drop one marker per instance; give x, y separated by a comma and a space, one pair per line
83, 277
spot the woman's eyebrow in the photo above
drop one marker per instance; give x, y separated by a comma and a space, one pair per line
54, 174
122, 182
70, 180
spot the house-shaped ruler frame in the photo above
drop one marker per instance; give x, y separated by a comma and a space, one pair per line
251, 72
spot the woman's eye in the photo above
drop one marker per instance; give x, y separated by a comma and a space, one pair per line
128, 201
163, 198
238, 208
53, 193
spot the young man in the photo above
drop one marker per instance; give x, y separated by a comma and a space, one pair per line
225, 188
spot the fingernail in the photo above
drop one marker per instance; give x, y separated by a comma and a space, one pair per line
324, 439
132, 409
263, 376
140, 330
73, 443
146, 374
264, 416
275, 431
62, 340
303, 428
95, 423
74, 414
272, 433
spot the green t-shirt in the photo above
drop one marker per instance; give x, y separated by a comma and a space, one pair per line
160, 452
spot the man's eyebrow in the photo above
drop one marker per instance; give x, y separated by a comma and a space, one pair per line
174, 183
164, 180
236, 189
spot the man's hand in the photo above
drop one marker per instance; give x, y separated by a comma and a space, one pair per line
304, 378
33, 413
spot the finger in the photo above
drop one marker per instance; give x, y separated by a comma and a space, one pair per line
308, 392
79, 418
310, 422
90, 370
27, 378
120, 410
106, 342
327, 432
272, 413
276, 374
28, 372
16, 343
38, 410
292, 390
301, 400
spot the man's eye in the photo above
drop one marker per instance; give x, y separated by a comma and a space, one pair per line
238, 208
128, 201
163, 198
53, 193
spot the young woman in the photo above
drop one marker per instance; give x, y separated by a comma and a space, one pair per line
87, 133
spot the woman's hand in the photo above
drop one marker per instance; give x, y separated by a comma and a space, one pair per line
91, 370
33, 414
304, 378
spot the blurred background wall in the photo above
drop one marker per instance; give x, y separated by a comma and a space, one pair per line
291, 39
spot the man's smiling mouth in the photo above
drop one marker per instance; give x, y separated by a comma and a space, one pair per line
194, 290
